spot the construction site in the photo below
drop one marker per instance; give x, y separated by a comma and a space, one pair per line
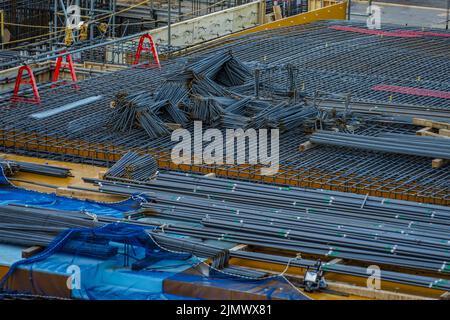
224, 150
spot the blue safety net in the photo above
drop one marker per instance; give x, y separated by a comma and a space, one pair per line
10, 194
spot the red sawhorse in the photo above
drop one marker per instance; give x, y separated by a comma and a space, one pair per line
151, 49
60, 66
31, 81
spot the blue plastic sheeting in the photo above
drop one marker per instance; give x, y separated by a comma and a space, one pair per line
10, 254
10, 194
111, 275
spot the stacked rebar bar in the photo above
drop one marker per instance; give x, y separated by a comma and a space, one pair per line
133, 167
325, 223
323, 58
10, 168
429, 147
29, 226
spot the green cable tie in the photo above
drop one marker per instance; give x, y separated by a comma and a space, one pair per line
437, 283
334, 253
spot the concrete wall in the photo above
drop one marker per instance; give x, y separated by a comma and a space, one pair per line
204, 28
210, 26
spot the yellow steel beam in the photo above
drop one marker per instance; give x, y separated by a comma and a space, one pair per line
334, 12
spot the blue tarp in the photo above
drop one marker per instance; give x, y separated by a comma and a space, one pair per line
10, 194
103, 278
105, 256
100, 278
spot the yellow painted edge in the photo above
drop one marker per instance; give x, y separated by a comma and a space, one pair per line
334, 12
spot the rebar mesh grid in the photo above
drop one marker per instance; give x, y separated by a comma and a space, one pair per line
335, 61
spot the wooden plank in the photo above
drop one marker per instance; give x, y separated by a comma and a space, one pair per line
445, 296
269, 18
441, 125
430, 134
439, 163
277, 12
423, 131
427, 132
419, 122
31, 251
189, 284
336, 261
444, 132
73, 193
239, 247
305, 146
173, 126
372, 293
430, 123
101, 174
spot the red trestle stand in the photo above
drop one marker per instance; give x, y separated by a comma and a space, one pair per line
20, 81
151, 49
61, 66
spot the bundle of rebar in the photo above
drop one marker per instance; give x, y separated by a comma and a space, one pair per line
312, 50
239, 107
295, 116
429, 147
30, 226
123, 116
283, 116
133, 167
233, 121
207, 87
11, 167
175, 91
219, 257
140, 110
206, 109
268, 117
152, 124
168, 111
326, 223
208, 66
222, 67
233, 73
